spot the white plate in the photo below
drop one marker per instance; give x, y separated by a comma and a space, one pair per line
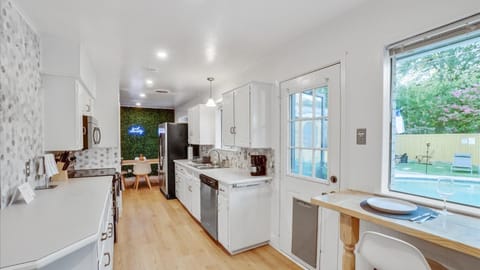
392, 206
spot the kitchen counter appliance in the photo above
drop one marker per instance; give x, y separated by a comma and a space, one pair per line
173, 143
209, 205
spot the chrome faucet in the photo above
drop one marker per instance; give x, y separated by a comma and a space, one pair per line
218, 156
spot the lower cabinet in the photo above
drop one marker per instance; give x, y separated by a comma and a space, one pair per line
97, 255
187, 189
244, 215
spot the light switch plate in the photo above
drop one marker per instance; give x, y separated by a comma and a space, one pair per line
361, 136
27, 168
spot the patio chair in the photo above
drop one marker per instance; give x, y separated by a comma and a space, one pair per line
462, 161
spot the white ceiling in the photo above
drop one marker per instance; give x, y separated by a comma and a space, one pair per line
218, 38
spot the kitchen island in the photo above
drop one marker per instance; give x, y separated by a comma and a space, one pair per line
67, 226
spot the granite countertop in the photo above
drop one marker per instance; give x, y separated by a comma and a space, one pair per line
57, 222
228, 176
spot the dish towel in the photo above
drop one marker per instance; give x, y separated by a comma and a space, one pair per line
50, 165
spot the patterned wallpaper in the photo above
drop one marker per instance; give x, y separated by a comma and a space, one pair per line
98, 158
20, 100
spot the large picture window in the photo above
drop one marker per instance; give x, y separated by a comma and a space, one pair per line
308, 120
435, 108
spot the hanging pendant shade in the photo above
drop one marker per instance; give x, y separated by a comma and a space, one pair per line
210, 102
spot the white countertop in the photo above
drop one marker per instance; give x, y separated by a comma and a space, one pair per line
227, 176
56, 223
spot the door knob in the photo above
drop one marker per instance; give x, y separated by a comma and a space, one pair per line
333, 179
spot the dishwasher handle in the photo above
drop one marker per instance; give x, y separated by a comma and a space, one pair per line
248, 185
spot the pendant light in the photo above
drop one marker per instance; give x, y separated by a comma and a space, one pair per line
210, 102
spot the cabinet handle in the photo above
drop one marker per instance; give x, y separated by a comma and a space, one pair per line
234, 130
108, 256
110, 230
104, 237
222, 190
84, 130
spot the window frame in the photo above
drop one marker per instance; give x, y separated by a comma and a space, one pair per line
458, 28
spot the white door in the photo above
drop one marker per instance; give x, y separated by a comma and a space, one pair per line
228, 137
310, 144
242, 116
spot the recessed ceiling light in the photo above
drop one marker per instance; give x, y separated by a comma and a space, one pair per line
138, 104
162, 54
148, 82
142, 95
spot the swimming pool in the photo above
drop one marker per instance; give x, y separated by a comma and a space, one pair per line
466, 192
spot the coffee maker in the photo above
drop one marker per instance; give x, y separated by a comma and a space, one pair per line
258, 165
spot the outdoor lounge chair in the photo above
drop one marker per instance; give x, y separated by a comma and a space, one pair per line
462, 161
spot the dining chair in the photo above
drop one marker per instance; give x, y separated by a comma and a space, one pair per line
384, 252
142, 168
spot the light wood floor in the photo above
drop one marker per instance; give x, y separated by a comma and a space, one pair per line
155, 233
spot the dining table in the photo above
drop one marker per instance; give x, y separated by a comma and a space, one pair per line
454, 231
131, 162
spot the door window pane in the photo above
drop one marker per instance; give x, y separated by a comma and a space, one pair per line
295, 161
295, 106
307, 163
307, 138
321, 164
321, 102
307, 104
318, 133
295, 129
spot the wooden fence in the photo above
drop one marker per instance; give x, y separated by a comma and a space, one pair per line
442, 146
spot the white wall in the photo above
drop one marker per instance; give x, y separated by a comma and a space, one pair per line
359, 38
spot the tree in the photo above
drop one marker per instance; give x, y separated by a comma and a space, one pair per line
437, 91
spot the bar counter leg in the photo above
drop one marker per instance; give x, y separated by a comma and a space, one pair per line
349, 231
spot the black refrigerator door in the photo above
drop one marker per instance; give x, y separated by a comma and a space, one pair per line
177, 143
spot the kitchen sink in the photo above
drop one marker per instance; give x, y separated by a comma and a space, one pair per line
44, 187
205, 166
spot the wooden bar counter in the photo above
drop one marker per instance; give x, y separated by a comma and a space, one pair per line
456, 232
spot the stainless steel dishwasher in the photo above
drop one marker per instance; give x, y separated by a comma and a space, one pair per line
209, 205
304, 231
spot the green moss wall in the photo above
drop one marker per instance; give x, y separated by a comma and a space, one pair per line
133, 146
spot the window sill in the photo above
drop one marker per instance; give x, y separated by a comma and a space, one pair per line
452, 207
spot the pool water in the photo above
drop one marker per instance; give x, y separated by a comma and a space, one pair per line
466, 192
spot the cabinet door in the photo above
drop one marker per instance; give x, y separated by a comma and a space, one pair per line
187, 195
228, 138
196, 197
193, 125
242, 116
223, 216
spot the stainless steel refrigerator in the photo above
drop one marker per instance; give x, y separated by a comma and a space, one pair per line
173, 143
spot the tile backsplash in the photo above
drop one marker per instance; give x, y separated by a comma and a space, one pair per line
98, 158
240, 157
21, 134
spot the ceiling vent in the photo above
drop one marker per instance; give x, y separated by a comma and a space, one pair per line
162, 91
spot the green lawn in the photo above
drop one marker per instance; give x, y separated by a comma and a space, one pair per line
436, 168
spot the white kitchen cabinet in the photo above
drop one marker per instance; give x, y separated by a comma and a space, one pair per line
195, 183
244, 215
187, 189
68, 58
87, 102
228, 122
62, 113
245, 114
201, 125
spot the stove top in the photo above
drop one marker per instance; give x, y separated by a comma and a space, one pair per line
91, 173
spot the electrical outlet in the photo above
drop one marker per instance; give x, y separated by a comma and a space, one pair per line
27, 168
361, 136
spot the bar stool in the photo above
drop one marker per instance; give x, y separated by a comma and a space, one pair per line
122, 175
388, 253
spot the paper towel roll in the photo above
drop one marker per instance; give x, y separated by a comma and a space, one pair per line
50, 165
190, 153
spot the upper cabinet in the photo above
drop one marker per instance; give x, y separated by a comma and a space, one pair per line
201, 125
63, 57
245, 115
62, 113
